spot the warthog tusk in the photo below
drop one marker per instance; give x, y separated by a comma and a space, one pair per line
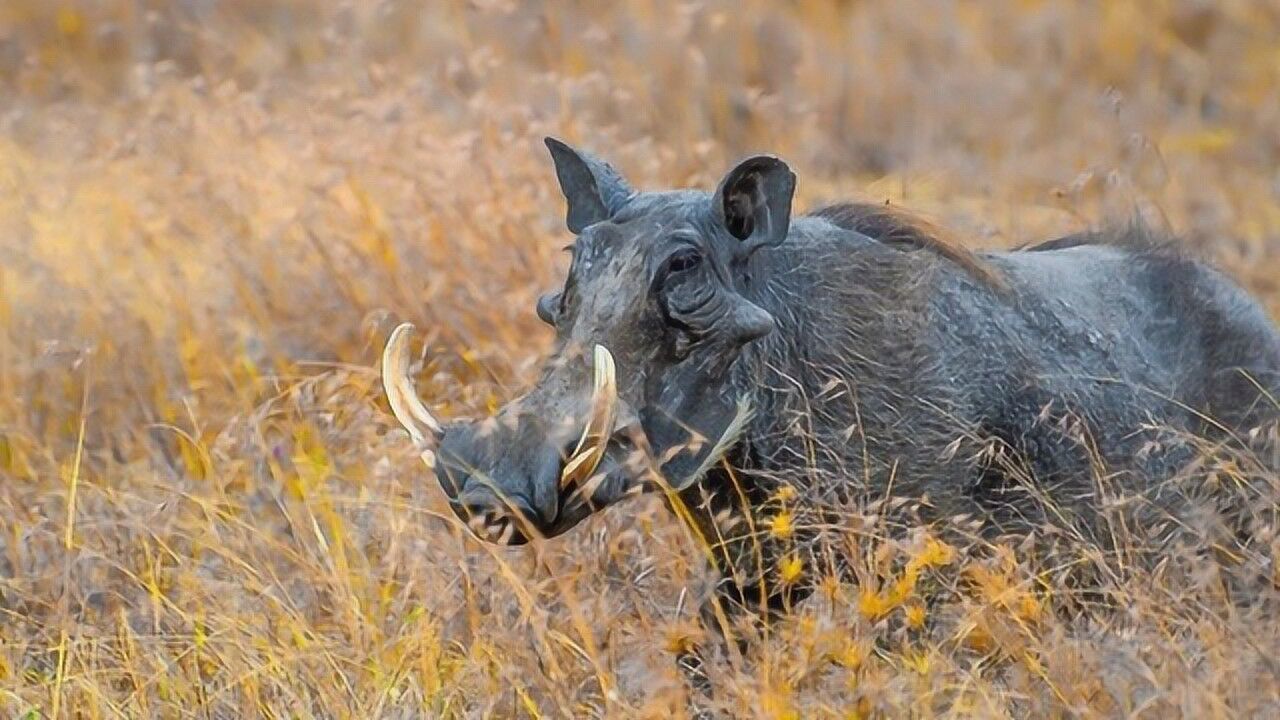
405, 404
595, 437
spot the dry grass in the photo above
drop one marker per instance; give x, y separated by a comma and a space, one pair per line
212, 213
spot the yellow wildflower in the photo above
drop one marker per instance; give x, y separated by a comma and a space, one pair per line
781, 526
790, 569
872, 605
936, 553
915, 615
777, 703
904, 587
1029, 608
851, 655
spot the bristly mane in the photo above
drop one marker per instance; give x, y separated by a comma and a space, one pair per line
902, 230
1136, 237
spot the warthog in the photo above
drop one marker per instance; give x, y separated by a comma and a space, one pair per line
712, 346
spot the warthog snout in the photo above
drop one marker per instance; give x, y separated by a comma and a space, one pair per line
534, 469
502, 481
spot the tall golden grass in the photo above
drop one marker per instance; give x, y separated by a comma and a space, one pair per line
211, 214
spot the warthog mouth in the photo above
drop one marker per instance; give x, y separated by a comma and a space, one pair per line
504, 519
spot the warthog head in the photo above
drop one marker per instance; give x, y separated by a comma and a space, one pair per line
648, 324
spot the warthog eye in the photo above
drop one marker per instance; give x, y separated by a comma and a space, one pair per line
683, 260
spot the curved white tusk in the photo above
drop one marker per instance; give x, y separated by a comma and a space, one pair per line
595, 437
405, 404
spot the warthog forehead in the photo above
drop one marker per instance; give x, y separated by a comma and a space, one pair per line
608, 288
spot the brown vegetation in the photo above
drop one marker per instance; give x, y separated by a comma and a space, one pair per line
211, 215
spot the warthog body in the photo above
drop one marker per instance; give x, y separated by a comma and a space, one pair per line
851, 353
1089, 367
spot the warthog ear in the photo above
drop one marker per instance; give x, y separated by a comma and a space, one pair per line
753, 201
592, 188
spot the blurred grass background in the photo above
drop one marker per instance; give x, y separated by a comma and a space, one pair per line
212, 212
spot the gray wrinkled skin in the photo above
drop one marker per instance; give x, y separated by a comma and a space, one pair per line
872, 366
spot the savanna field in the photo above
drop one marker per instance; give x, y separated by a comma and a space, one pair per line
212, 213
